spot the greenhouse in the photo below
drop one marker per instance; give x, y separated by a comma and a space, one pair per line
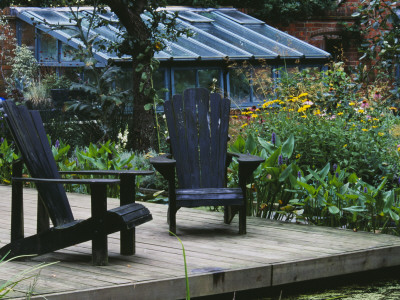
222, 42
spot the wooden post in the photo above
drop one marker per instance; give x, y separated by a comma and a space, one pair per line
172, 209
99, 209
127, 196
17, 205
242, 209
43, 221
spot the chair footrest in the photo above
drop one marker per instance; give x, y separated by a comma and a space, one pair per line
209, 197
132, 214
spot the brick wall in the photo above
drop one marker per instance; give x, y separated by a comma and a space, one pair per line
327, 32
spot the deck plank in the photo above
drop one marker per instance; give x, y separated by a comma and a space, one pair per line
219, 260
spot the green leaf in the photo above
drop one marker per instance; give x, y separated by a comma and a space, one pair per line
325, 170
285, 173
250, 146
353, 178
333, 210
309, 188
271, 161
288, 146
388, 199
355, 209
393, 215
239, 145
266, 145
148, 106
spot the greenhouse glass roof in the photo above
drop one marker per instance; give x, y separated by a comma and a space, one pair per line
217, 34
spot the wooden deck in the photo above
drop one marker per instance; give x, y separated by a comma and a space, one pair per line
219, 260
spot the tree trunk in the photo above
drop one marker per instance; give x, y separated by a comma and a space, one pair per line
142, 133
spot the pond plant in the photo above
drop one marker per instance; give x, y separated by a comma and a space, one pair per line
331, 151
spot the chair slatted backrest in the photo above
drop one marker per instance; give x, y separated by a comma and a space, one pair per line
30, 137
198, 127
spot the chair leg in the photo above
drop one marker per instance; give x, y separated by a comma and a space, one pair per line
172, 219
127, 196
43, 221
242, 220
99, 248
17, 204
99, 209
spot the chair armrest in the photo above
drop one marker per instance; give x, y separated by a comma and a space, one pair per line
109, 172
247, 164
66, 181
164, 165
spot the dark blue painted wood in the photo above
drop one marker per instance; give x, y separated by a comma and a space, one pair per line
198, 126
29, 135
40, 162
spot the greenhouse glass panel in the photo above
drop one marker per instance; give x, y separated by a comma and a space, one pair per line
184, 79
125, 79
263, 83
240, 17
195, 47
53, 17
268, 44
235, 40
288, 41
68, 53
193, 17
210, 79
177, 51
225, 48
48, 48
28, 35
159, 83
239, 88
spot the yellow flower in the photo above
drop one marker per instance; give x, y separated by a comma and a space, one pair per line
235, 117
254, 116
374, 127
352, 103
345, 145
280, 202
298, 156
381, 134
244, 125
375, 119
304, 116
303, 95
339, 114
393, 108
360, 111
338, 105
364, 129
157, 46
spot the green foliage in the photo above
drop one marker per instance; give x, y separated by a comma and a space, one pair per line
24, 69
6, 158
9, 284
97, 98
272, 179
185, 264
341, 199
379, 26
